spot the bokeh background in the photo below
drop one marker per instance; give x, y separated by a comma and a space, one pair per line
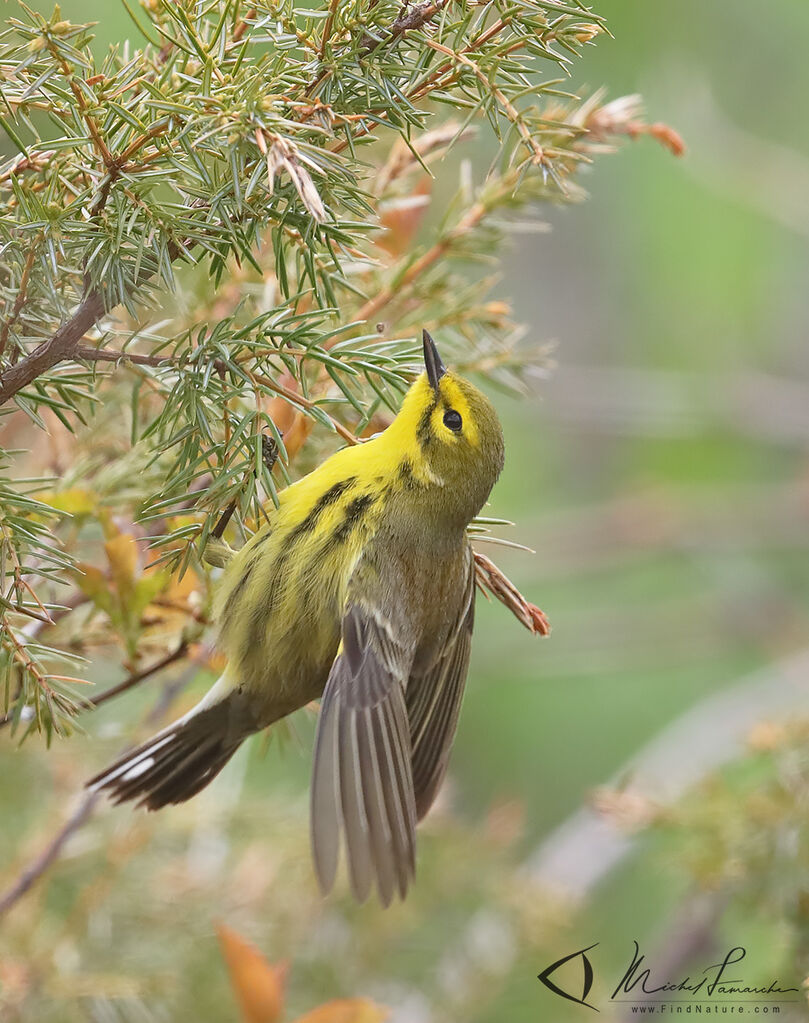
660, 472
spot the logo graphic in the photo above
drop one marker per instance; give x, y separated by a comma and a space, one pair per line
718, 987
587, 977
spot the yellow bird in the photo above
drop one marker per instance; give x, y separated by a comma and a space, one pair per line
359, 589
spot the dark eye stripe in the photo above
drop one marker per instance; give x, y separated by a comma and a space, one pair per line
424, 431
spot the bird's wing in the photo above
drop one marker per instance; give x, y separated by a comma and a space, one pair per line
433, 702
361, 782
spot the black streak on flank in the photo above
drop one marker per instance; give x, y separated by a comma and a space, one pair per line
355, 510
278, 581
331, 496
424, 431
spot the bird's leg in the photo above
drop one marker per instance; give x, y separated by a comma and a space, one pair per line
217, 553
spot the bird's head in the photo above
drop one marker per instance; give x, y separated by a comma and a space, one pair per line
452, 436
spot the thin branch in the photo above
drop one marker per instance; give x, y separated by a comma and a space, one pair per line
17, 648
87, 117
105, 355
77, 819
50, 853
91, 702
60, 346
63, 343
19, 300
470, 220
139, 676
327, 29
411, 18
242, 25
36, 626
54, 350
435, 80
298, 399
35, 161
516, 118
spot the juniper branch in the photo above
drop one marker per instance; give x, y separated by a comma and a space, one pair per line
51, 352
198, 220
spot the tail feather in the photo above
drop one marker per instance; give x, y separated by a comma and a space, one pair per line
173, 765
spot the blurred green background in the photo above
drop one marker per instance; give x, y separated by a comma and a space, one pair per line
660, 473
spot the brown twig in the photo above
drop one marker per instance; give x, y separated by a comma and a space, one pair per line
63, 343
298, 399
241, 26
139, 676
91, 702
105, 355
471, 219
89, 800
34, 161
327, 28
65, 340
19, 300
49, 854
507, 106
54, 350
16, 646
435, 79
35, 627
412, 17
138, 143
78, 93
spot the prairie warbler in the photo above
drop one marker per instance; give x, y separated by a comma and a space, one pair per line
359, 589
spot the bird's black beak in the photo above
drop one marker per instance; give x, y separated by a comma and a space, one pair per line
432, 361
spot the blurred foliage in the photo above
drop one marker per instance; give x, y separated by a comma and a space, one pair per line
744, 831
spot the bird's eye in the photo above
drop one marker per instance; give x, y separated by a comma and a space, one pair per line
452, 420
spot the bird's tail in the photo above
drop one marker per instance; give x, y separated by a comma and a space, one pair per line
178, 762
